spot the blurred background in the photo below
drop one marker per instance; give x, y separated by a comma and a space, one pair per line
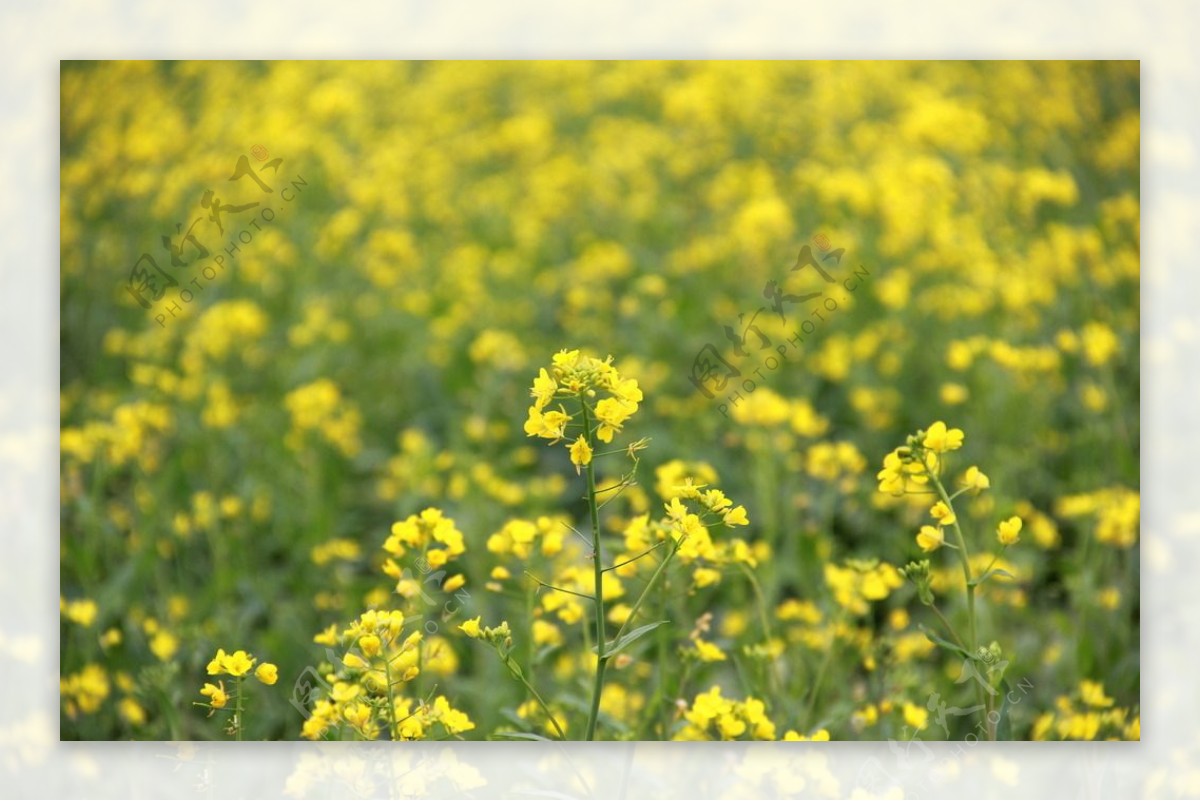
234, 457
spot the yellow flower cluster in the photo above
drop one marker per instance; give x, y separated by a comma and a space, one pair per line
692, 510
1117, 511
134, 433
573, 375
364, 695
521, 537
83, 611
238, 664
337, 549
85, 690
859, 582
430, 534
319, 406
711, 716
1088, 714
367, 717
907, 468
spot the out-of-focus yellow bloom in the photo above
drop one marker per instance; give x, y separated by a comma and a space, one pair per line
1009, 531
267, 673
930, 538
943, 514
707, 651
915, 716
820, 735
974, 479
1092, 694
736, 517
83, 611
164, 645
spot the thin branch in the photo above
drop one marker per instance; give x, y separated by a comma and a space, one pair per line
559, 589
634, 559
578, 533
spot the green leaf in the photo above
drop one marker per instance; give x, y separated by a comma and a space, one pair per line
949, 646
523, 735
1004, 725
514, 668
996, 572
616, 646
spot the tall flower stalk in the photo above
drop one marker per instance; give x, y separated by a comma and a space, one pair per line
918, 468
594, 403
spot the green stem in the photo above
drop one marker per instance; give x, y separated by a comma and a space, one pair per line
658, 571
519, 675
237, 708
598, 570
964, 557
761, 602
812, 702
391, 694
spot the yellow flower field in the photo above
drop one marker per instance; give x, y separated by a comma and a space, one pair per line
613, 401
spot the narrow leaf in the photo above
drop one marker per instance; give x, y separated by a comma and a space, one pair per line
523, 735
949, 646
630, 638
995, 572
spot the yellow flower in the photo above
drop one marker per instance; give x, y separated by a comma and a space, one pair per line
915, 716
471, 628
454, 720
357, 715
217, 664
1009, 531
549, 425
736, 517
581, 453
565, 359
110, 638
675, 509
267, 673
708, 652
1092, 694
216, 694
943, 514
930, 538
164, 645
82, 612
543, 390
238, 663
705, 577
974, 479
327, 637
820, 735
612, 413
546, 633
939, 439
131, 712
354, 662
